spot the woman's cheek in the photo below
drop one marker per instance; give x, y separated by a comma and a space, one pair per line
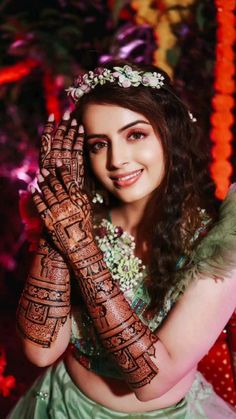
151, 155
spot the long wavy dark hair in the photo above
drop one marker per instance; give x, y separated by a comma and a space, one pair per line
186, 185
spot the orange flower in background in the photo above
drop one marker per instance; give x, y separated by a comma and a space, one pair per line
220, 134
222, 118
222, 151
219, 102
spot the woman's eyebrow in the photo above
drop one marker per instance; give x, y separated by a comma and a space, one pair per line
89, 136
131, 124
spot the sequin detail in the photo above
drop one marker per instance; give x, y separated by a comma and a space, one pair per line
41, 395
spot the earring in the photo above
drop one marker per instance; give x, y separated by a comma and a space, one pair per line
97, 198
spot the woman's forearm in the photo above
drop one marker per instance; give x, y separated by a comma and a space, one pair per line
122, 333
45, 301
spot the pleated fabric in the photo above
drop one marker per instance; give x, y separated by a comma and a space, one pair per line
55, 396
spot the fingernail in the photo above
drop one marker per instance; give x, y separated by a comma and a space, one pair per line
51, 117
45, 172
29, 187
58, 163
81, 129
40, 178
32, 189
73, 122
66, 116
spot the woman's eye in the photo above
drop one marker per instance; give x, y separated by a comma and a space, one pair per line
96, 147
137, 135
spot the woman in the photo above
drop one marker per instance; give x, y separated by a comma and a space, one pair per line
152, 269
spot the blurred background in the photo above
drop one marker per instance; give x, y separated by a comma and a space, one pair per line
43, 45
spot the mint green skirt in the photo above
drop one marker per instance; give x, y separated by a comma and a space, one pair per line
55, 396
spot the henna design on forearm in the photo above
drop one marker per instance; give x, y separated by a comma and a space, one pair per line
45, 301
121, 331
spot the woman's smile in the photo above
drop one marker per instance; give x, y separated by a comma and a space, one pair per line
127, 179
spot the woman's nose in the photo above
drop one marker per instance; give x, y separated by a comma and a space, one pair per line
118, 156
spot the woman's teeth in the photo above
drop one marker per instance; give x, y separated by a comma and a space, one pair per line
128, 176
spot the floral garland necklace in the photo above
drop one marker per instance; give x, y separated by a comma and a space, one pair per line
118, 251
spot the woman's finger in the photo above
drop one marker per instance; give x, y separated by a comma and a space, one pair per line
46, 139
48, 194
70, 184
64, 174
74, 193
57, 188
39, 203
69, 138
77, 158
50, 124
79, 141
60, 134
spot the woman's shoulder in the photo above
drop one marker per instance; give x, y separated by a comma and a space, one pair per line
214, 249
215, 255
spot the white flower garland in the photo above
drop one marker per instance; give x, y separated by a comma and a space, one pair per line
123, 76
118, 249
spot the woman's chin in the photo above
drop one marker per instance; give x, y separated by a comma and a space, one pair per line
132, 198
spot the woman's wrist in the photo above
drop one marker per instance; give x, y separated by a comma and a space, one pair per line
81, 257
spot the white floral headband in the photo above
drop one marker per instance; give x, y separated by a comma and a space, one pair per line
123, 76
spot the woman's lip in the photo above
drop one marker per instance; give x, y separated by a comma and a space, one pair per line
121, 176
127, 179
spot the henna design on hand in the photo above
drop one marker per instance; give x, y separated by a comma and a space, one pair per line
45, 147
45, 301
65, 143
65, 210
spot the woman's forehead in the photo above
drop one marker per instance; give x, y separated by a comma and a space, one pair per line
98, 114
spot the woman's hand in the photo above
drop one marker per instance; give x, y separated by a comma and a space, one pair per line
65, 210
63, 143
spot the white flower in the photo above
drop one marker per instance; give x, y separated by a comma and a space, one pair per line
79, 93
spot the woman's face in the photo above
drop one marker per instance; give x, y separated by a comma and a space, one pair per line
125, 153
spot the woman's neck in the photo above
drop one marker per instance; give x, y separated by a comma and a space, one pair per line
136, 220
128, 216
